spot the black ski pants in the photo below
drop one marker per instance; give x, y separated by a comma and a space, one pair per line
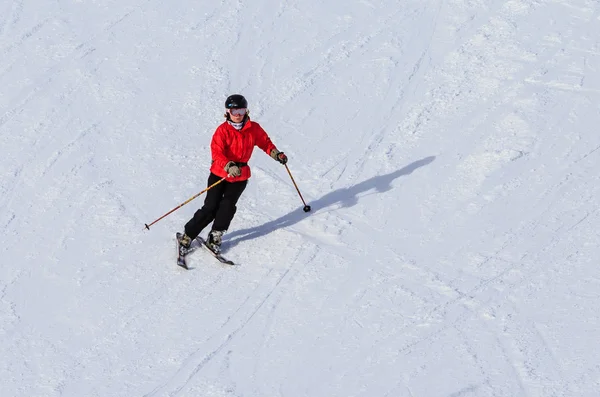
219, 206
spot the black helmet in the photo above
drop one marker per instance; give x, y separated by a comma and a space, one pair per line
236, 101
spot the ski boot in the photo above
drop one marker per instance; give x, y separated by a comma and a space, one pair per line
185, 241
215, 237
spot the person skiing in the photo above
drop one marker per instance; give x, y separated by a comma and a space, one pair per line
231, 148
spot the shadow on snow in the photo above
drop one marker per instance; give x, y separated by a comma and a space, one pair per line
346, 197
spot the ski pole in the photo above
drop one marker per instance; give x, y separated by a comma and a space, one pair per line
187, 201
306, 207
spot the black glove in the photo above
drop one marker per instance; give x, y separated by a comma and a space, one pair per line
279, 156
232, 169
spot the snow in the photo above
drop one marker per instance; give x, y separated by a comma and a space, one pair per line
449, 152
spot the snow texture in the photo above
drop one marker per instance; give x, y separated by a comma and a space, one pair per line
449, 151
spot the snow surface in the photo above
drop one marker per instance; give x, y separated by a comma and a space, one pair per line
449, 151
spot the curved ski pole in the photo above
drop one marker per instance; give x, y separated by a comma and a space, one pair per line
147, 225
306, 207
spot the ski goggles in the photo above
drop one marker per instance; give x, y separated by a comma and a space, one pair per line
237, 112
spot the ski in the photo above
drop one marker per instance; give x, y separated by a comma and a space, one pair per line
198, 242
218, 256
182, 252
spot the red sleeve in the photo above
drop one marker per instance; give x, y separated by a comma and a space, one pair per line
263, 141
217, 147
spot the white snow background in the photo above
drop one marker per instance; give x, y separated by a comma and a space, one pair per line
449, 151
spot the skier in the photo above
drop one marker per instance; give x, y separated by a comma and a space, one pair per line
231, 147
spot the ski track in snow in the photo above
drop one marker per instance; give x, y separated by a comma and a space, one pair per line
235, 323
453, 198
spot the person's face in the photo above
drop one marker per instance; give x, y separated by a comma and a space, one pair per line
237, 115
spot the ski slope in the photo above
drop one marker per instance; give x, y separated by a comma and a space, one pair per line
449, 152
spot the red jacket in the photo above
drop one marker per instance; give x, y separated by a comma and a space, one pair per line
229, 144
